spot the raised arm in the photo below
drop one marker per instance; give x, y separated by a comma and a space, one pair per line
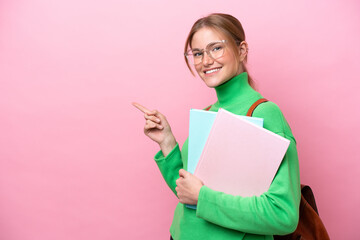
157, 128
169, 158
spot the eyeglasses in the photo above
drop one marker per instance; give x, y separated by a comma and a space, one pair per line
214, 49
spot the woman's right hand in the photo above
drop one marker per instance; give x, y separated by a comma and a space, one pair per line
157, 128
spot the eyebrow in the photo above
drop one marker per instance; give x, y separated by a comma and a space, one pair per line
209, 44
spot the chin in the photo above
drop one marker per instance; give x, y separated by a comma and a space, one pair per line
212, 83
211, 86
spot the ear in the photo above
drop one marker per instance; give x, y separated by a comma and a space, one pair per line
243, 50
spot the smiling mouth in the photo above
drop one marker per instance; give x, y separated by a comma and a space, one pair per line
212, 70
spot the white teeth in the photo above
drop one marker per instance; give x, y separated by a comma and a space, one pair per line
212, 70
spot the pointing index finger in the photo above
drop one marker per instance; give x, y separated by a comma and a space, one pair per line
141, 108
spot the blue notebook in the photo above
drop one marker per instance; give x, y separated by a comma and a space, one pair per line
200, 125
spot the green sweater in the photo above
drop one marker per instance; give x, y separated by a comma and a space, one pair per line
224, 216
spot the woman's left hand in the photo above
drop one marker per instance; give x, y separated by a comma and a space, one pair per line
188, 187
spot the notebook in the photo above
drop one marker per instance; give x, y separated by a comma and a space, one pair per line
239, 157
200, 125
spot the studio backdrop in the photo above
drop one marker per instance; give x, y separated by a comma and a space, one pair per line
74, 162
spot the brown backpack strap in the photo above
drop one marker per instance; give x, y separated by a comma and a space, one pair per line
251, 109
309, 197
255, 104
208, 108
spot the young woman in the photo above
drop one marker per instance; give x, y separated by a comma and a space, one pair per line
217, 49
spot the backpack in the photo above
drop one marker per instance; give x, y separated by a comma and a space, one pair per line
310, 226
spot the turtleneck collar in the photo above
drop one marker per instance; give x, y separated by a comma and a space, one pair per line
235, 89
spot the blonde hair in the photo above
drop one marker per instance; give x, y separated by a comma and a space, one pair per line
225, 24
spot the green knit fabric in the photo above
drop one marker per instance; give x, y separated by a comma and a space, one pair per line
223, 216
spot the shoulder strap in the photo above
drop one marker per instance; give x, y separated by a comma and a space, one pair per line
208, 108
255, 104
251, 109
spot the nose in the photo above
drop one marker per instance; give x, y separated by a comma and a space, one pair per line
207, 60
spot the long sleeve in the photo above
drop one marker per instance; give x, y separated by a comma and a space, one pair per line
273, 213
169, 166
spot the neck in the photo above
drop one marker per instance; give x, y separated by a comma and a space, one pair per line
236, 88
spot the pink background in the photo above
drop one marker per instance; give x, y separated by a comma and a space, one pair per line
74, 162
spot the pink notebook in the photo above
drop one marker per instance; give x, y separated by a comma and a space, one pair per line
240, 158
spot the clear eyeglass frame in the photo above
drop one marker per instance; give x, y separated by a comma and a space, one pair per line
211, 50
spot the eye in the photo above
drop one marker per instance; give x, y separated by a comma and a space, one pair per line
217, 48
197, 54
